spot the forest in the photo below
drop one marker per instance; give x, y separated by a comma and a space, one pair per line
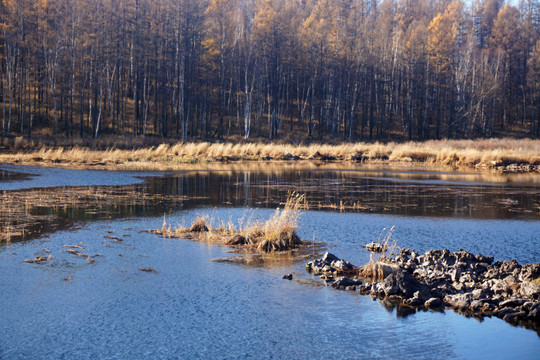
246, 69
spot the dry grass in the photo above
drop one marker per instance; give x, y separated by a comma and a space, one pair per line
385, 243
489, 153
276, 234
27, 214
377, 268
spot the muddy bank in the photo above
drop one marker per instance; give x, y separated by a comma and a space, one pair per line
467, 283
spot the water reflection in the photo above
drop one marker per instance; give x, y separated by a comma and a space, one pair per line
10, 176
362, 191
26, 214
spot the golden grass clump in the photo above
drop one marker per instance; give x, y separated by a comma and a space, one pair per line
482, 153
276, 234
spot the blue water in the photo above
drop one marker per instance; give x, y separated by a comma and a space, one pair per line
41, 177
194, 308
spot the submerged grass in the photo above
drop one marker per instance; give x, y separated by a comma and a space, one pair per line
276, 234
484, 153
27, 214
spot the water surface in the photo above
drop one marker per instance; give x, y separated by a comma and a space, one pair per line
192, 307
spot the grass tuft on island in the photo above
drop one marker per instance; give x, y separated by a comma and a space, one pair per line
516, 155
277, 234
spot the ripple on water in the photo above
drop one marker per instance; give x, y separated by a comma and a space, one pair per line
192, 307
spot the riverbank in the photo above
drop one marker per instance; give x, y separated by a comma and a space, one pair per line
502, 155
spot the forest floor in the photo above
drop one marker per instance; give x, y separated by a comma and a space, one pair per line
503, 155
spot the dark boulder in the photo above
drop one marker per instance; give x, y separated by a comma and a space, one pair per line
433, 303
346, 282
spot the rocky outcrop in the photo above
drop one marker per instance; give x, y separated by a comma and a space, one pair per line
467, 283
330, 264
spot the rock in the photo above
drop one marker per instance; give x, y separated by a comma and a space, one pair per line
466, 282
476, 305
500, 287
530, 272
365, 288
375, 247
287, 277
456, 274
376, 270
406, 284
458, 301
289, 156
514, 302
389, 285
484, 259
465, 278
322, 157
534, 314
509, 266
477, 294
515, 316
345, 282
433, 303
328, 258
342, 265
414, 302
502, 312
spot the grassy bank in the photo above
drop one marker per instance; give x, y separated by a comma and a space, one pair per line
480, 154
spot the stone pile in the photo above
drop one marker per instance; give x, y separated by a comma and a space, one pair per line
467, 283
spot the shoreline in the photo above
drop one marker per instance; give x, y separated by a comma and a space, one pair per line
491, 155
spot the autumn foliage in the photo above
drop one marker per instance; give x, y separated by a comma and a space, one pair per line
314, 69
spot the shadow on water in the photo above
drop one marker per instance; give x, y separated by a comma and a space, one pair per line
27, 214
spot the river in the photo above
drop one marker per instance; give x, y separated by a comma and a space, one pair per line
192, 307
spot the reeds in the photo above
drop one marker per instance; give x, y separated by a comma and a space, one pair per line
487, 153
383, 244
276, 234
375, 268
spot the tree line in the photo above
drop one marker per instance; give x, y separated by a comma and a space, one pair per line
322, 69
